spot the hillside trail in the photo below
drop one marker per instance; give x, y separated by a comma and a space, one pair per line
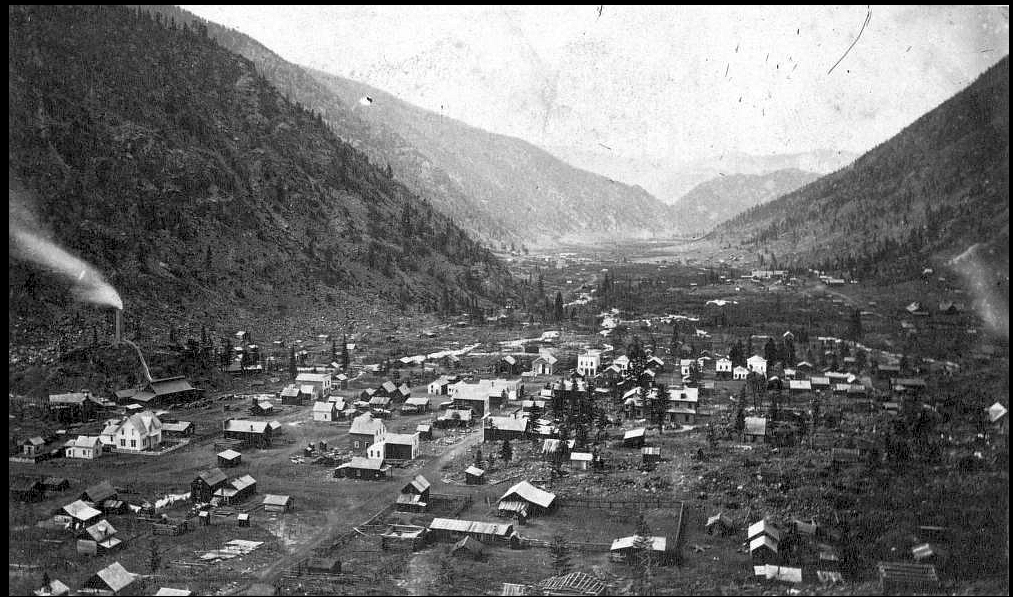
338, 521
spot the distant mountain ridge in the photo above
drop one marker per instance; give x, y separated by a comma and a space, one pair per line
500, 188
936, 188
719, 199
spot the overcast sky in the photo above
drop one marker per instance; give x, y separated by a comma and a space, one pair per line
667, 84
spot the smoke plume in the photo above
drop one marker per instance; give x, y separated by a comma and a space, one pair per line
27, 243
989, 301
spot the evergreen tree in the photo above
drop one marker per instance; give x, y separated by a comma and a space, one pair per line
558, 307
291, 363
344, 353
506, 452
560, 551
154, 556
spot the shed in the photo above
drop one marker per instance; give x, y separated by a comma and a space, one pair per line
243, 519
755, 430
626, 549
634, 438
229, 458
323, 566
99, 493
55, 588
278, 503
425, 431
650, 454
720, 524
524, 499
56, 484
762, 527
27, 490
763, 549
474, 475
581, 461
113, 579
468, 547
905, 577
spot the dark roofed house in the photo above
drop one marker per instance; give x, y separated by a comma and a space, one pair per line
468, 547
111, 580
169, 390
363, 468
27, 490
504, 428
99, 493
323, 566
206, 483
56, 484
414, 495
257, 434
634, 438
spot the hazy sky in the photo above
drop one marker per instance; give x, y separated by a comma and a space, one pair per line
668, 84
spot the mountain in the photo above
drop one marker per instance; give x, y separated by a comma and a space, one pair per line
195, 186
712, 202
934, 189
669, 179
497, 187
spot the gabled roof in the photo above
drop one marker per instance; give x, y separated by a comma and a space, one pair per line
406, 439
419, 483
762, 541
312, 377
507, 423
100, 492
581, 456
471, 527
169, 592
361, 462
469, 544
720, 518
229, 454
276, 500
388, 386
474, 471
366, 425
246, 426
529, 493
213, 476
632, 433
115, 576
54, 589
84, 441
762, 527
657, 543
81, 511
243, 482
417, 401
323, 407
168, 385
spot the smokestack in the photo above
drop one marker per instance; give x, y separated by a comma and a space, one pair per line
118, 329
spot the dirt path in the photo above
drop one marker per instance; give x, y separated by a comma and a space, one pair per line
339, 521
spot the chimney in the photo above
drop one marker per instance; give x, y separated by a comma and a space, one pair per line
118, 326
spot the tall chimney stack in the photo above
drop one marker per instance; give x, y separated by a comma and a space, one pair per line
118, 316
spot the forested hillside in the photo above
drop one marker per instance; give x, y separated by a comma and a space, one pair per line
499, 188
936, 188
194, 185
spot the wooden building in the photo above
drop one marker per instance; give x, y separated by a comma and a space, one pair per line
206, 483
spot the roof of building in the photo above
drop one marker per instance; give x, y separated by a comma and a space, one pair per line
242, 425
101, 530
632, 433
229, 454
907, 574
417, 401
313, 377
366, 425
474, 471
323, 407
719, 518
762, 541
762, 527
55, 588
419, 483
100, 492
529, 493
996, 412
657, 543
574, 582
169, 592
81, 510
756, 426
583, 456
471, 527
470, 545
276, 500
361, 462
115, 576
508, 423
213, 476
